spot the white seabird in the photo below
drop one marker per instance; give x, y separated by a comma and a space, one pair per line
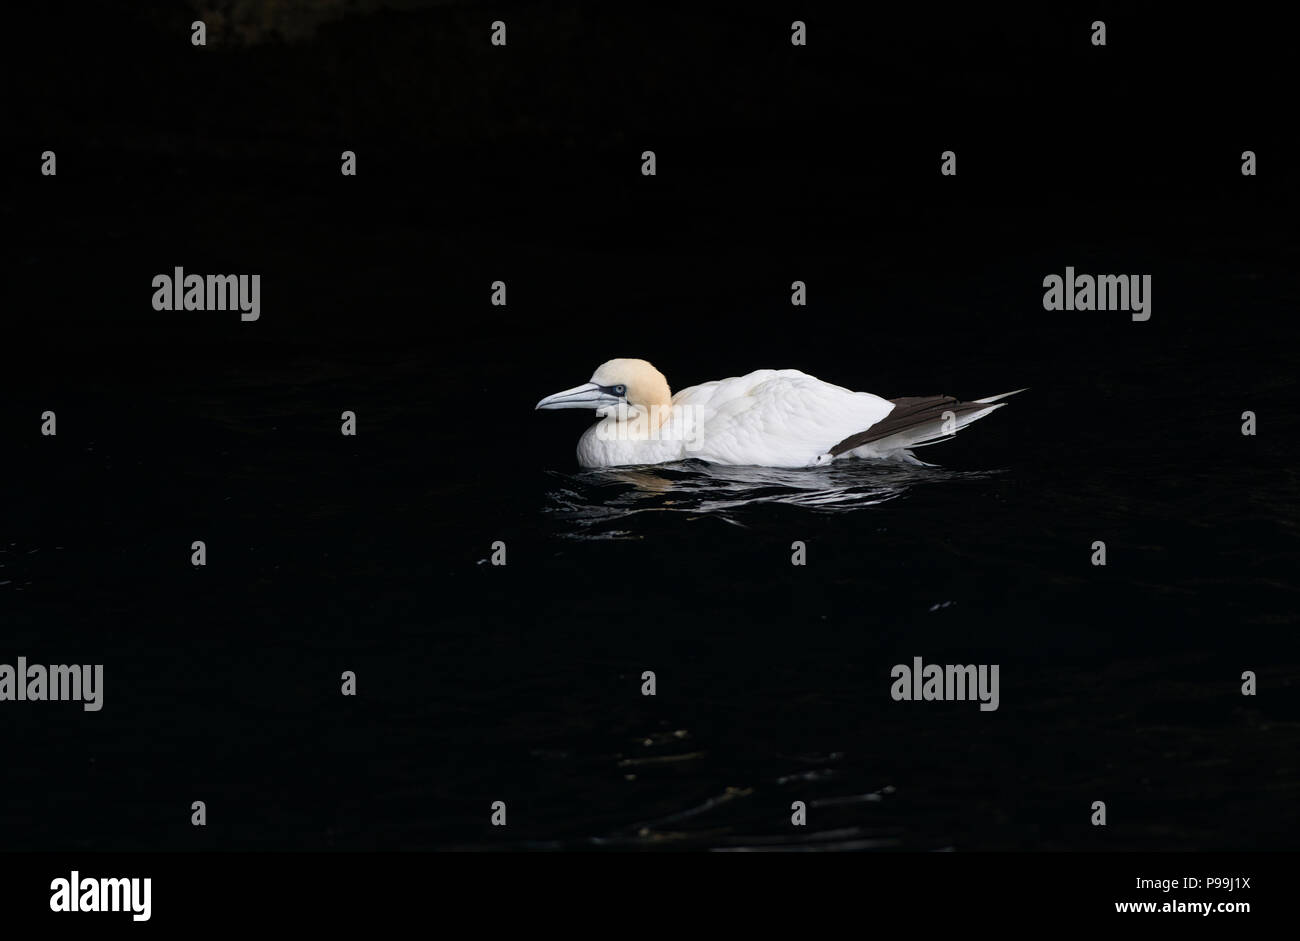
769, 418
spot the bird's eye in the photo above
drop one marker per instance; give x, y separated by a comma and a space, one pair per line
620, 390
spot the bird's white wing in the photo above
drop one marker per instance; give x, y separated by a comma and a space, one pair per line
776, 417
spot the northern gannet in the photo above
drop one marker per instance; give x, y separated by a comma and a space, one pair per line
769, 418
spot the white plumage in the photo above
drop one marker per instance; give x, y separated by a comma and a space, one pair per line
769, 417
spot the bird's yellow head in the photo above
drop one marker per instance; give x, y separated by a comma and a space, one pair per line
630, 382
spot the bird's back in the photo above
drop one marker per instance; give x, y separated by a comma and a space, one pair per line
777, 417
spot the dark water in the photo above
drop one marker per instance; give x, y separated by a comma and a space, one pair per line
522, 683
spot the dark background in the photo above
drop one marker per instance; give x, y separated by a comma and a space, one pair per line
522, 163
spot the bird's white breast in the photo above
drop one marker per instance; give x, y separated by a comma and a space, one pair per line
614, 443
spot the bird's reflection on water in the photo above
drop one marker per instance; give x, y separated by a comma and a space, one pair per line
604, 503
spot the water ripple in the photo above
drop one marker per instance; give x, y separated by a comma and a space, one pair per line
606, 504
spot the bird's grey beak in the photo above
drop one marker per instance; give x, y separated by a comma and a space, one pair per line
587, 395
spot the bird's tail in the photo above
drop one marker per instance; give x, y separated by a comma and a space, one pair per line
917, 421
